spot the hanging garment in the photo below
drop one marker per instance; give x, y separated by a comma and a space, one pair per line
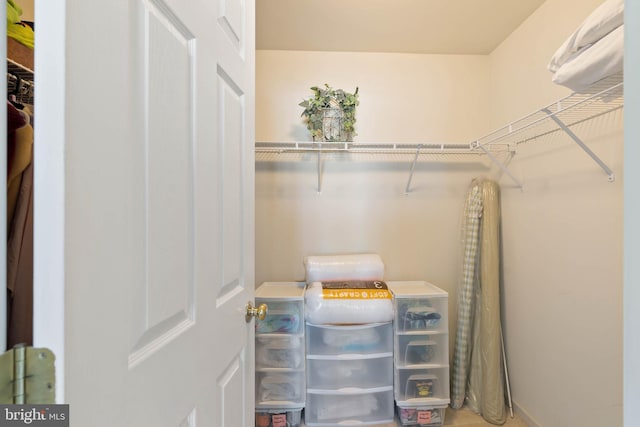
19, 153
20, 158
20, 267
19, 228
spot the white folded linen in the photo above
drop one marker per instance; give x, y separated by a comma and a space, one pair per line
602, 59
606, 18
328, 268
324, 309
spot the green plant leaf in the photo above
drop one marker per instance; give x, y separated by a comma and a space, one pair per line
326, 98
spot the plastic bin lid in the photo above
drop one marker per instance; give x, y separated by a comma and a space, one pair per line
281, 290
415, 289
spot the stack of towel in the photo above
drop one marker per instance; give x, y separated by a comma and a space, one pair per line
346, 289
595, 50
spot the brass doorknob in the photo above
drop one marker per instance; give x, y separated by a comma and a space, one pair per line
259, 312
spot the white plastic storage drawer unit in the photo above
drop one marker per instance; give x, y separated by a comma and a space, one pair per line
349, 374
280, 352
421, 346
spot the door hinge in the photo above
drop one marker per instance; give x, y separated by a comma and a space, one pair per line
27, 375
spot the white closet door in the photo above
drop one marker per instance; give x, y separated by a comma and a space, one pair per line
144, 209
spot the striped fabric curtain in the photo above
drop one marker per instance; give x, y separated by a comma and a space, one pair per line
477, 377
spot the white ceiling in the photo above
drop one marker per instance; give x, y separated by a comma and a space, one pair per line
410, 26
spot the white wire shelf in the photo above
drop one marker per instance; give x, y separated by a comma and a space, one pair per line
371, 148
266, 151
20, 81
603, 98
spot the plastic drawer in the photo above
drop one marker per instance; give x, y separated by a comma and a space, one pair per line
420, 349
336, 372
353, 407
427, 384
421, 415
421, 314
329, 340
280, 417
279, 351
278, 388
283, 317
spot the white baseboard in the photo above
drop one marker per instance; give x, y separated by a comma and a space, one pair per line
525, 416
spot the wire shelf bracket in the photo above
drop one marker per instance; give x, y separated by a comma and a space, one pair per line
494, 159
319, 160
413, 166
611, 176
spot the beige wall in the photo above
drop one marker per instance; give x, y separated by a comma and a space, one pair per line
631, 212
363, 206
403, 97
563, 237
562, 232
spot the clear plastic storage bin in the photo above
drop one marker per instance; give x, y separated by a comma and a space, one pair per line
327, 340
352, 407
283, 417
422, 384
421, 415
279, 351
336, 372
279, 388
420, 349
424, 314
283, 317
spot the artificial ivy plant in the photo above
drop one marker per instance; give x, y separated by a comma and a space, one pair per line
327, 98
